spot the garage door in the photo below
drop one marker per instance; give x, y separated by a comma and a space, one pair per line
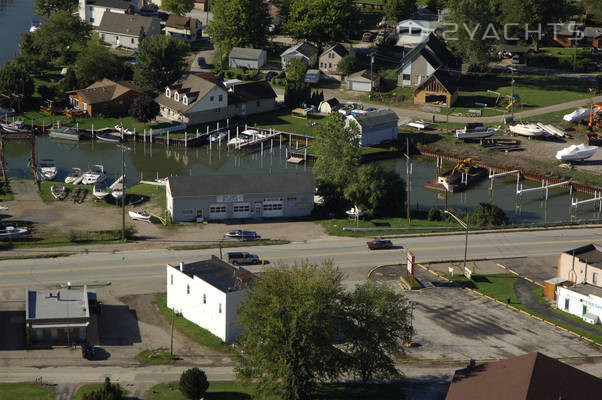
360, 86
273, 209
241, 210
218, 211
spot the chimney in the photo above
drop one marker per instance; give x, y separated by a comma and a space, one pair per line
58, 295
181, 267
69, 285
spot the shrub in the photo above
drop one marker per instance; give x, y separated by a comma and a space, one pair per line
193, 383
434, 214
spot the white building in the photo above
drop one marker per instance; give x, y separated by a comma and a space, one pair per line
91, 11
208, 293
583, 300
246, 57
302, 51
375, 127
124, 29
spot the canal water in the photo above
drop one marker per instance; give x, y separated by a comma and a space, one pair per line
16, 17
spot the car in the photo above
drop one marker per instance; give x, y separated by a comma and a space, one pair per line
163, 16
367, 37
380, 37
517, 59
201, 62
377, 244
87, 351
242, 235
270, 75
241, 258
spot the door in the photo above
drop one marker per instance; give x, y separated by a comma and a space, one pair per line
566, 304
241, 210
243, 109
258, 207
218, 211
273, 208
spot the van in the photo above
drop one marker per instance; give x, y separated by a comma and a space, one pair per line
241, 258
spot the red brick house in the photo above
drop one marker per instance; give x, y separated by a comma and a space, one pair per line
105, 97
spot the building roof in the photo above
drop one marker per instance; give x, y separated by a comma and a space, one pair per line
218, 273
448, 81
250, 91
592, 31
192, 85
531, 376
53, 305
105, 90
246, 53
591, 253
124, 24
304, 48
433, 50
363, 75
585, 289
122, 4
374, 119
215, 185
176, 21
332, 102
337, 48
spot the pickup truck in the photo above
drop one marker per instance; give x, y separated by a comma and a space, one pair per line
377, 244
242, 258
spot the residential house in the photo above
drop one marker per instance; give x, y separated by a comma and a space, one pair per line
105, 97
331, 56
187, 29
374, 127
209, 293
592, 36
532, 376
363, 81
245, 57
194, 99
222, 197
302, 51
251, 98
124, 30
91, 11
424, 59
328, 106
569, 33
202, 5
439, 88
412, 31
582, 265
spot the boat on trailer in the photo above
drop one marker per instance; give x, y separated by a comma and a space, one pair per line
141, 215
100, 190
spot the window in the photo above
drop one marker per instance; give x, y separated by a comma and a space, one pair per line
171, 279
566, 304
329, 65
221, 97
91, 20
258, 103
584, 310
167, 92
187, 289
176, 96
220, 308
91, 8
595, 278
204, 299
186, 211
406, 77
241, 208
132, 40
217, 209
210, 98
185, 100
272, 207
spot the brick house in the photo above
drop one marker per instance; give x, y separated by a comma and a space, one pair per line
105, 97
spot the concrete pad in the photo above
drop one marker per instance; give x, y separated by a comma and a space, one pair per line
539, 269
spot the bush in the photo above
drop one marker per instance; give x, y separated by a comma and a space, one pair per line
193, 383
487, 214
109, 391
434, 214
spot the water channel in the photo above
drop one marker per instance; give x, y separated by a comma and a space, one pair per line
16, 17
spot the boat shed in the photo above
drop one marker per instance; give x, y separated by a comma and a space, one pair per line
439, 88
222, 197
374, 127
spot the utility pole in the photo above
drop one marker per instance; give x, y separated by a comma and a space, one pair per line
124, 193
465, 226
512, 96
408, 181
371, 73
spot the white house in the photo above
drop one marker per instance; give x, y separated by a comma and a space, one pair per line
582, 300
91, 11
186, 29
303, 51
208, 293
374, 127
412, 31
245, 57
124, 29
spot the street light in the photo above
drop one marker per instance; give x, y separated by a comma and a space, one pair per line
124, 194
512, 70
465, 226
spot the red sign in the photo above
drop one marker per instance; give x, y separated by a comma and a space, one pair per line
410, 260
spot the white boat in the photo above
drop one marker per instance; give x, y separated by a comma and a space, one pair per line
579, 114
139, 215
526, 129
216, 137
58, 192
100, 190
552, 130
474, 130
107, 137
11, 231
419, 124
14, 127
117, 188
576, 152
354, 212
75, 176
124, 131
2, 208
235, 141
95, 174
47, 170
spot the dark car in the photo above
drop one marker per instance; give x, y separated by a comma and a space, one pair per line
163, 16
242, 258
201, 62
367, 37
270, 75
242, 235
87, 351
377, 244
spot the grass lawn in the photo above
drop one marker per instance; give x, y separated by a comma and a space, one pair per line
190, 329
156, 357
155, 193
560, 58
335, 226
46, 195
227, 244
41, 119
89, 388
63, 238
25, 391
6, 193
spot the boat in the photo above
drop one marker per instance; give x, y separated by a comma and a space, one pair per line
124, 131
140, 215
14, 127
58, 192
578, 152
47, 170
2, 208
526, 129
475, 130
354, 212
552, 130
100, 190
11, 231
237, 141
117, 188
75, 176
95, 174
579, 114
217, 137
65, 133
419, 124
107, 137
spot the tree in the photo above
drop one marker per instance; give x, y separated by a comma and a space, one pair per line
144, 109
379, 321
47, 91
69, 81
398, 10
436, 5
295, 70
96, 62
160, 61
338, 148
194, 383
487, 214
141, 35
58, 35
380, 191
47, 7
321, 21
239, 23
109, 391
348, 65
15, 80
296, 93
289, 319
179, 7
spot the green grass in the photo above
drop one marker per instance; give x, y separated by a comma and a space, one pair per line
88, 389
56, 238
155, 193
227, 244
156, 357
6, 193
46, 195
41, 119
334, 227
25, 391
193, 331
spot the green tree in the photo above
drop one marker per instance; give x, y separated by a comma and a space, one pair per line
295, 70
398, 10
69, 81
487, 214
47, 7
380, 191
141, 35
379, 321
348, 65
96, 62
296, 93
15, 80
194, 383
239, 23
179, 7
109, 391
58, 35
333, 197
321, 21
289, 319
144, 109
160, 61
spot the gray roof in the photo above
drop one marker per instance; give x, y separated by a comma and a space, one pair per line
53, 304
586, 289
246, 53
123, 4
193, 86
337, 48
213, 185
374, 119
304, 48
591, 253
593, 32
218, 273
124, 24
363, 75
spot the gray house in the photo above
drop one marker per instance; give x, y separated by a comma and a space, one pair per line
244, 57
124, 29
251, 98
375, 127
221, 197
303, 51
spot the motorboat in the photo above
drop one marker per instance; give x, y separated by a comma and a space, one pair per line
100, 190
576, 152
117, 188
526, 129
75, 176
14, 127
579, 114
47, 170
107, 137
237, 141
475, 130
11, 231
58, 192
419, 124
2, 208
140, 215
354, 212
95, 174
65, 133
124, 131
217, 137
552, 130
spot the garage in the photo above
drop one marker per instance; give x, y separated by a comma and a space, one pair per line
218, 211
362, 80
273, 208
241, 210
359, 86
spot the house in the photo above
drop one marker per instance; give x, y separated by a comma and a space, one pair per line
328, 106
187, 29
532, 376
361, 81
220, 197
57, 317
245, 57
424, 59
91, 11
566, 34
194, 99
208, 293
105, 97
439, 88
592, 36
201, 5
331, 56
303, 51
582, 265
251, 98
374, 127
414, 30
124, 29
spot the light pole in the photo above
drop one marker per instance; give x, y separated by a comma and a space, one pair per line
465, 226
512, 95
124, 194
371, 73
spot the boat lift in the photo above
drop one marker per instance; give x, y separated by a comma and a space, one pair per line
6, 137
544, 186
493, 175
597, 198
